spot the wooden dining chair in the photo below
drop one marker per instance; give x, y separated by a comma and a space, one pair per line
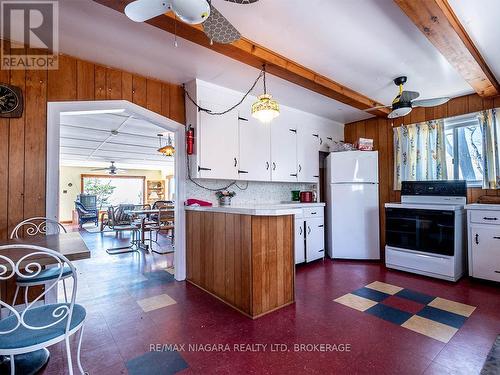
31, 227
37, 326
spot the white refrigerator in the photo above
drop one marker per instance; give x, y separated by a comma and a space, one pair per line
352, 205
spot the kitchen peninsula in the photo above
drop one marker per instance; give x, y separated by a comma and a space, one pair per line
244, 255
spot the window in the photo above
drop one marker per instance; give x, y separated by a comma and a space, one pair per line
464, 149
114, 190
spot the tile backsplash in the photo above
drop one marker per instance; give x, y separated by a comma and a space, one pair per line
255, 192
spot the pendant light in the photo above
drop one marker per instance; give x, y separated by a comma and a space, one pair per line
168, 149
265, 109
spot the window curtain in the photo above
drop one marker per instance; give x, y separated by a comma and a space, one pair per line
419, 152
491, 159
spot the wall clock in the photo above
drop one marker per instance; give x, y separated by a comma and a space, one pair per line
11, 101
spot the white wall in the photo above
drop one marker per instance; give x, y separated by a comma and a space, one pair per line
72, 175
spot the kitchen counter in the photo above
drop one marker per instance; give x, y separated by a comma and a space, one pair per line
271, 209
483, 207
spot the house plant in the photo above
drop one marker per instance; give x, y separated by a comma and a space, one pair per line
225, 197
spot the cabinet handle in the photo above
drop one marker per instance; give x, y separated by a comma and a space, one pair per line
240, 171
204, 169
308, 230
497, 271
293, 130
274, 166
329, 138
496, 237
314, 213
320, 226
490, 218
320, 141
477, 239
293, 174
235, 162
316, 135
321, 251
300, 168
267, 165
300, 232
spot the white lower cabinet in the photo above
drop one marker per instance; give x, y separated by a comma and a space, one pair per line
485, 251
315, 238
300, 249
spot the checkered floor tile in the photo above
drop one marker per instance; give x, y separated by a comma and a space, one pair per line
434, 317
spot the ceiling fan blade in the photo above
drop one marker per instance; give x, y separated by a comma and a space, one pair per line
219, 29
430, 102
100, 169
378, 107
408, 96
242, 1
143, 10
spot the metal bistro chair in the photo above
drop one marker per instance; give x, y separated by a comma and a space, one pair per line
36, 328
32, 227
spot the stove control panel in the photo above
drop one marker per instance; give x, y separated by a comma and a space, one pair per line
456, 188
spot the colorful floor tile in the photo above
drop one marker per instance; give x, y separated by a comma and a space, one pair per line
431, 316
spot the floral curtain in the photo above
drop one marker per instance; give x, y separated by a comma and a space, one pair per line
489, 122
419, 152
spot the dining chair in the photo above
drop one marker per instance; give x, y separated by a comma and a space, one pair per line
36, 326
32, 227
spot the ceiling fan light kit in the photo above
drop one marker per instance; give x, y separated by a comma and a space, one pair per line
405, 101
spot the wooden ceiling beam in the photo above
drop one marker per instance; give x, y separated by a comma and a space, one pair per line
255, 55
438, 22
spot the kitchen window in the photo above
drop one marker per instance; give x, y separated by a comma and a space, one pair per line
464, 149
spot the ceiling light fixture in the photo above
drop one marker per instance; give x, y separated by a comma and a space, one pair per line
265, 109
168, 149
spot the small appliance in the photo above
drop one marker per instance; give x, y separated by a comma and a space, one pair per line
306, 196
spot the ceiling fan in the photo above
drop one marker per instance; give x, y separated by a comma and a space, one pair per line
112, 169
215, 25
405, 101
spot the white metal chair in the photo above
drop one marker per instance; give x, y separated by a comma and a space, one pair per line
32, 227
37, 327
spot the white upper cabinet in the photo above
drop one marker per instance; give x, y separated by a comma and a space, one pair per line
254, 149
235, 146
308, 155
283, 151
218, 143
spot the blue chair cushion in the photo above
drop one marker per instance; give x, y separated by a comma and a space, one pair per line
39, 316
45, 275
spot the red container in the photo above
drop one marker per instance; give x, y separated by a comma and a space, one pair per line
306, 196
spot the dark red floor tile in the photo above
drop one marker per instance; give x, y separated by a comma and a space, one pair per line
403, 304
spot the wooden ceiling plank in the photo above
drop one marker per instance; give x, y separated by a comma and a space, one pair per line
438, 22
252, 54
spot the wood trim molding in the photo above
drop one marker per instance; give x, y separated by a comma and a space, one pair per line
255, 55
438, 22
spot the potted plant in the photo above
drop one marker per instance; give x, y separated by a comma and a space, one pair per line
225, 197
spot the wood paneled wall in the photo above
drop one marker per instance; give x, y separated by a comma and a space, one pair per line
380, 130
23, 140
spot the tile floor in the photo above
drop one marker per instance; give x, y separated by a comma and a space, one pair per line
119, 334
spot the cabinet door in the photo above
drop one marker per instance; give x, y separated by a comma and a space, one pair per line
255, 149
218, 144
300, 255
315, 239
283, 151
486, 252
308, 155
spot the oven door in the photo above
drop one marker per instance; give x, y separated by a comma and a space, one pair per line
430, 231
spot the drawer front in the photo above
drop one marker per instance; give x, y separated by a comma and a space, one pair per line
314, 212
485, 217
439, 265
485, 252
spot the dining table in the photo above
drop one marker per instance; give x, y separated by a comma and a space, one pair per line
74, 248
145, 215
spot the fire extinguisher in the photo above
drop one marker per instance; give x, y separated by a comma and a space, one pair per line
190, 140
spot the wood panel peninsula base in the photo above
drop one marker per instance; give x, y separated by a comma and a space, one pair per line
245, 260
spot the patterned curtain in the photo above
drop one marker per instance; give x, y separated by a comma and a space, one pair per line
419, 152
491, 161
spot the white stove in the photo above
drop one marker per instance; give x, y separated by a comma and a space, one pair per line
425, 232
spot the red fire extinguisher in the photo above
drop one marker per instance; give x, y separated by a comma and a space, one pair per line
190, 140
